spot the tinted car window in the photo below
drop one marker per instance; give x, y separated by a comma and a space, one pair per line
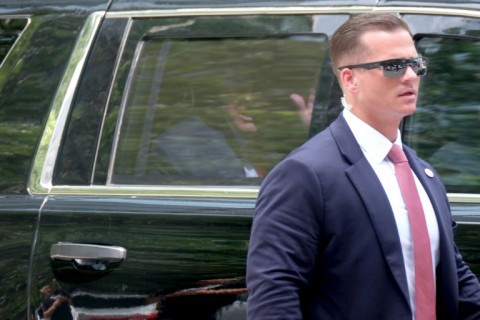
29, 78
444, 129
16, 128
10, 30
76, 160
213, 110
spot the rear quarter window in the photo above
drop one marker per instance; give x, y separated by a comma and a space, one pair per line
16, 134
10, 30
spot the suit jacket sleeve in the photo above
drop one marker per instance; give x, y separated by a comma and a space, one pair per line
284, 243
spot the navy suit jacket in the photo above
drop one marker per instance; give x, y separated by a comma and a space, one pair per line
325, 244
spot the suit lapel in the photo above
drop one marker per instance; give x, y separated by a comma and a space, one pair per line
369, 188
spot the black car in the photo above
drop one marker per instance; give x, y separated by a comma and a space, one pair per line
134, 136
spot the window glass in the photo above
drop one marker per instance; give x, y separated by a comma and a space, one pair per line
77, 155
17, 132
214, 111
445, 128
10, 29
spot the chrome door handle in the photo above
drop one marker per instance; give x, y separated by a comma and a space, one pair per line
88, 256
83, 262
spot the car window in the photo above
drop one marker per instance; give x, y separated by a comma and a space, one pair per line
77, 157
10, 30
16, 128
444, 130
213, 110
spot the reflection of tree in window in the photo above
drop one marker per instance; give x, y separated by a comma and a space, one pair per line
228, 87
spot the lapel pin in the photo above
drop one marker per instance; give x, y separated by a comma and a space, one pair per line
429, 173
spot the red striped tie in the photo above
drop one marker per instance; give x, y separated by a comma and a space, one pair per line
424, 282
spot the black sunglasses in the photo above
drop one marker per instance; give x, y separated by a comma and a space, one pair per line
395, 68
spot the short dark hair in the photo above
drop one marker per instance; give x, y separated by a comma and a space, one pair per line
346, 39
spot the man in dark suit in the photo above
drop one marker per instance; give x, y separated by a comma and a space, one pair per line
335, 236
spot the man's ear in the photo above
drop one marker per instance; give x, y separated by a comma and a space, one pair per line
348, 80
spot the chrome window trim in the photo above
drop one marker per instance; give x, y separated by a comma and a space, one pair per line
115, 72
40, 180
468, 223
463, 198
147, 191
123, 104
199, 191
289, 10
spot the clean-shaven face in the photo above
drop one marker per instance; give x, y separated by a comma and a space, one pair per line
379, 100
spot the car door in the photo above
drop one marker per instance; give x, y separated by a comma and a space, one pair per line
153, 168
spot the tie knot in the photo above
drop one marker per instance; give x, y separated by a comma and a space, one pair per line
396, 154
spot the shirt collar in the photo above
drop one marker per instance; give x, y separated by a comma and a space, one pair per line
372, 142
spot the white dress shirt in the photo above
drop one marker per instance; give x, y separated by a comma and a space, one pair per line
375, 147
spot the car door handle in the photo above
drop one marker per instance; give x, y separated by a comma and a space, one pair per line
88, 256
84, 262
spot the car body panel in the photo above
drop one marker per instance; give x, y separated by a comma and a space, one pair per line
179, 245
18, 223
